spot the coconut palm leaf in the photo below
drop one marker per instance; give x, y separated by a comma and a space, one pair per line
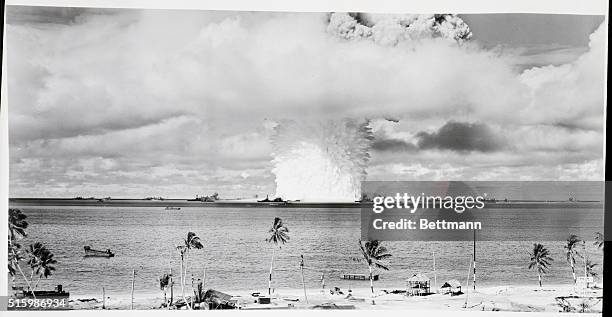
590, 268
14, 256
540, 258
599, 240
193, 241
164, 281
41, 261
45, 263
278, 232
374, 253
572, 242
17, 224
33, 251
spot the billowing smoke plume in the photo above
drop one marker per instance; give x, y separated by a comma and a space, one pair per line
321, 161
327, 160
391, 29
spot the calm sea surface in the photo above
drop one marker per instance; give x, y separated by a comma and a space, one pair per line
236, 256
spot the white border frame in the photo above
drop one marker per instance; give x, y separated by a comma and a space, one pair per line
583, 7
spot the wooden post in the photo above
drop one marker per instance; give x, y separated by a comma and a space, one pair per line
434, 268
171, 288
467, 284
192, 289
103, 298
586, 256
474, 259
132, 296
322, 282
270, 277
302, 270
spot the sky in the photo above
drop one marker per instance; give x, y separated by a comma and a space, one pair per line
137, 103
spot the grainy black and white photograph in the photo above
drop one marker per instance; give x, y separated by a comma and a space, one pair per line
189, 159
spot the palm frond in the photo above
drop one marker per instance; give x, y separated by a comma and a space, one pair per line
590, 268
373, 253
599, 240
193, 241
540, 258
278, 232
41, 260
17, 223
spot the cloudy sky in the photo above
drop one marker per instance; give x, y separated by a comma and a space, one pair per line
134, 103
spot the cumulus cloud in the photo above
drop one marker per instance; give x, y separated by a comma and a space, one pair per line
144, 88
566, 94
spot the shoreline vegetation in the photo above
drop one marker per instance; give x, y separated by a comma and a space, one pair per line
583, 295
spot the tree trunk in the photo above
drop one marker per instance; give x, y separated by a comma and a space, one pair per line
171, 289
540, 279
28, 283
36, 285
585, 257
303, 283
187, 269
371, 284
132, 294
21, 271
192, 290
183, 280
270, 277
31, 279
573, 270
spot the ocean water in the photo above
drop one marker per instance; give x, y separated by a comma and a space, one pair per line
237, 257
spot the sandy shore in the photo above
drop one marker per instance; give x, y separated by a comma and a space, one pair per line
500, 298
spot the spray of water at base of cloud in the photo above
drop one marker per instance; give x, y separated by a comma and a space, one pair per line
321, 161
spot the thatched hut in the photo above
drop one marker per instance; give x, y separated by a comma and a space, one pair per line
418, 285
452, 287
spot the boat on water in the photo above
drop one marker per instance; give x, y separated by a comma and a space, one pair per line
278, 201
57, 293
172, 208
89, 252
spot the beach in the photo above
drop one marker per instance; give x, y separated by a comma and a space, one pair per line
526, 298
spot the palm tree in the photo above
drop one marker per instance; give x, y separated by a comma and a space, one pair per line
16, 224
278, 233
41, 262
191, 242
164, 283
599, 240
374, 253
571, 253
590, 268
540, 260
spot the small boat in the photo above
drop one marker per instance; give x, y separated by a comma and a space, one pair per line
57, 293
172, 208
359, 277
91, 252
